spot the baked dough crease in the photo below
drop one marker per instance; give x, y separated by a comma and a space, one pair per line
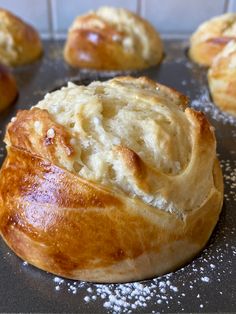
111, 182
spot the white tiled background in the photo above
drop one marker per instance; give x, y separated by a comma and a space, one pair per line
181, 17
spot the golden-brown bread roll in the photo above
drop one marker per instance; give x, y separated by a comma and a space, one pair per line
19, 42
222, 79
111, 182
8, 88
112, 39
211, 37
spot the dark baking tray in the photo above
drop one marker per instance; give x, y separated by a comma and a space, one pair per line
207, 284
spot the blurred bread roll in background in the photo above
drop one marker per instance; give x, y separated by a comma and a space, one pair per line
112, 39
111, 182
211, 37
8, 88
222, 79
19, 42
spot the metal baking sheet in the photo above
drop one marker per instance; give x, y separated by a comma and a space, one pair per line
207, 284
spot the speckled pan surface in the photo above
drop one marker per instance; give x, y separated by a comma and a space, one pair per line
207, 284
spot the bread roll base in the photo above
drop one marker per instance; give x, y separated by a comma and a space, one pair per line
82, 229
112, 39
20, 42
101, 238
211, 37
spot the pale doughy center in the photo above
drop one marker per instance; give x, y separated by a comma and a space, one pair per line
100, 118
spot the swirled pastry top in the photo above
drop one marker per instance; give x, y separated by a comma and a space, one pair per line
112, 39
19, 42
143, 143
110, 182
222, 78
211, 37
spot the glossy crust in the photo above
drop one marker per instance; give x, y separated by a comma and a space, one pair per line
84, 229
19, 42
112, 39
222, 79
8, 88
211, 37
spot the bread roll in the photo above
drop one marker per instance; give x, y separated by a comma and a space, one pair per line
112, 39
19, 42
222, 79
211, 37
110, 182
8, 88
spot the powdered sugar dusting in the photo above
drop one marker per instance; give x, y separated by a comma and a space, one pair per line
205, 279
161, 292
229, 169
203, 103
